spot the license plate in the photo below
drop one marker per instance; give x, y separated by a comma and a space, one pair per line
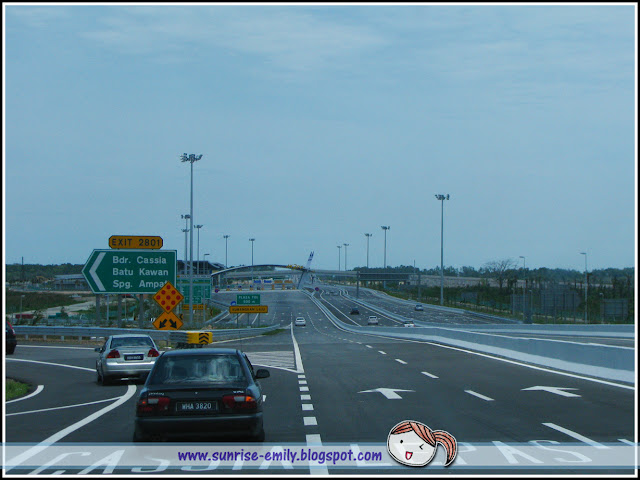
185, 407
133, 357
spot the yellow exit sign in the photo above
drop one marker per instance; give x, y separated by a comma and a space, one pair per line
135, 241
249, 309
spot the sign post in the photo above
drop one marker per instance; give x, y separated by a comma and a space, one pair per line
168, 298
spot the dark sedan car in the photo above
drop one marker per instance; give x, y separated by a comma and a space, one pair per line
10, 336
210, 392
354, 311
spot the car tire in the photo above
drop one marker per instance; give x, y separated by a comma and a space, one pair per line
140, 436
259, 437
103, 379
10, 350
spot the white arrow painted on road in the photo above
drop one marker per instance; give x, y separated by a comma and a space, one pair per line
390, 393
93, 269
556, 390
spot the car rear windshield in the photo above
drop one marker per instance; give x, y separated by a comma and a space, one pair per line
131, 342
197, 369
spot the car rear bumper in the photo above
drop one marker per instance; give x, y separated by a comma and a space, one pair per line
197, 425
125, 369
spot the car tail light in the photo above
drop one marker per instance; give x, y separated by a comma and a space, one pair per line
152, 405
240, 402
153, 353
113, 354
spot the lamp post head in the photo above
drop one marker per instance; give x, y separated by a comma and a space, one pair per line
190, 157
368, 234
385, 227
185, 216
442, 197
185, 230
198, 226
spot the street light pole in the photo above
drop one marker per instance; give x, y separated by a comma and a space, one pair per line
345, 256
198, 267
524, 268
339, 250
252, 240
385, 228
185, 230
204, 259
191, 158
226, 251
442, 198
585, 285
367, 235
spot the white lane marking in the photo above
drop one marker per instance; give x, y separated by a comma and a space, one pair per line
623, 440
390, 393
55, 346
33, 394
476, 394
506, 360
307, 406
10, 464
305, 397
304, 389
296, 351
429, 374
60, 408
368, 346
314, 440
555, 390
54, 364
302, 376
575, 435
310, 421
401, 361
302, 382
383, 353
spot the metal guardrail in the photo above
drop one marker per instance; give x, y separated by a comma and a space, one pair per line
97, 332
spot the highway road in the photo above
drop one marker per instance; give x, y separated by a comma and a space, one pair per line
333, 387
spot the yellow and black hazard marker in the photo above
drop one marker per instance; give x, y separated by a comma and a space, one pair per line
191, 339
199, 338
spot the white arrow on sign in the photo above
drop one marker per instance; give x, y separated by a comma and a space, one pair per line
556, 390
93, 269
390, 393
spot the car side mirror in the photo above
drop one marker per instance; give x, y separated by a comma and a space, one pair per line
262, 373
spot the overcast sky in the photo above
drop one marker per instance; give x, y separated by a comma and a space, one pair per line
320, 123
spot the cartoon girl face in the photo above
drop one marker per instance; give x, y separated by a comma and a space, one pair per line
409, 449
414, 444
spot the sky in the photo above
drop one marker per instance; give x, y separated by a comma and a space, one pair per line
319, 123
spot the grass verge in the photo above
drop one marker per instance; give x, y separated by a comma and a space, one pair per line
15, 389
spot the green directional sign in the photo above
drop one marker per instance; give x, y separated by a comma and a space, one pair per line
201, 289
248, 299
130, 271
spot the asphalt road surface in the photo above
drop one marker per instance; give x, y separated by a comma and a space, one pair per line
332, 387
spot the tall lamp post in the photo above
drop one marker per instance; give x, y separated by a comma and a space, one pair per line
191, 158
368, 235
204, 259
524, 268
226, 251
585, 286
442, 198
339, 257
252, 240
385, 228
198, 263
185, 230
345, 256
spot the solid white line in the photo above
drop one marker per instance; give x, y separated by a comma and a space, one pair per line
401, 361
10, 464
575, 435
54, 364
296, 352
33, 394
429, 374
54, 346
476, 394
59, 408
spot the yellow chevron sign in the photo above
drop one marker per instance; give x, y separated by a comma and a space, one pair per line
199, 337
249, 309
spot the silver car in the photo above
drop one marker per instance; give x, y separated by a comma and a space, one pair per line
122, 356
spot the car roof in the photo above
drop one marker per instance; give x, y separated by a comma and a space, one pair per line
201, 351
130, 335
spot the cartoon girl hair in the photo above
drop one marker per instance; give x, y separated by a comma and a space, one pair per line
432, 437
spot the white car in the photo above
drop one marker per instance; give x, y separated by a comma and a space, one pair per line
409, 324
419, 308
373, 320
130, 355
301, 322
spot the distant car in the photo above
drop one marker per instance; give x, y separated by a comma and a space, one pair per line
301, 322
201, 392
129, 355
10, 338
419, 308
373, 320
354, 311
409, 323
